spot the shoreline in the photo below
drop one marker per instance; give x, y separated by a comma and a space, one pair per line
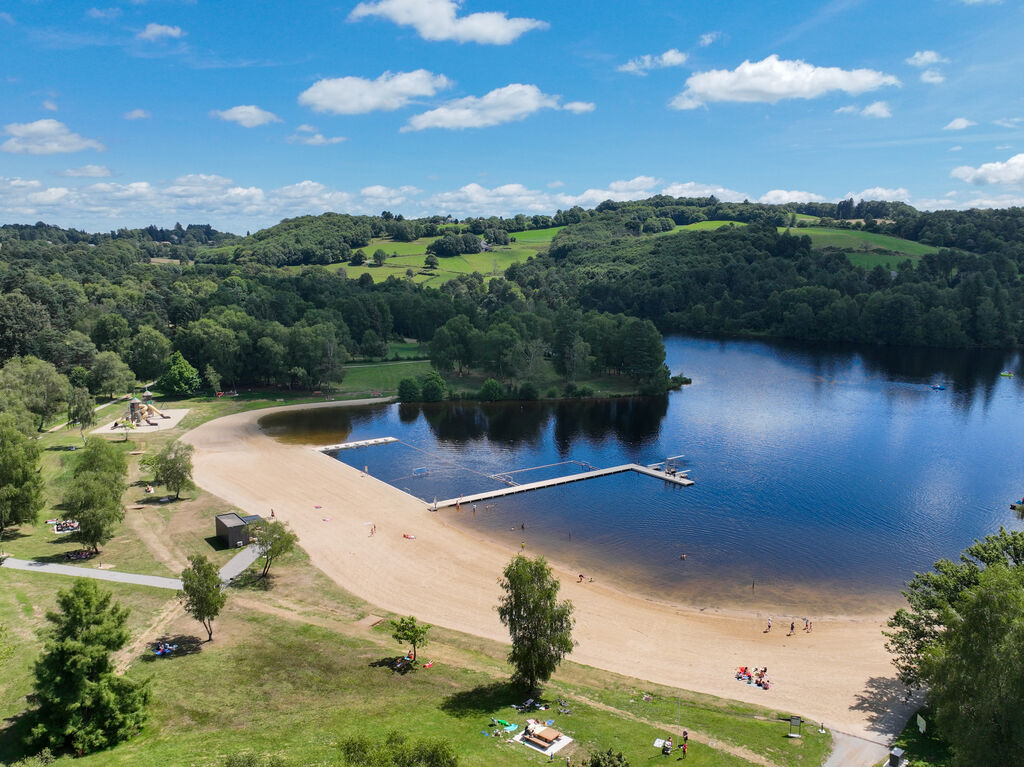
447, 576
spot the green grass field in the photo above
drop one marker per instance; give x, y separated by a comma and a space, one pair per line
855, 240
380, 377
537, 237
705, 226
808, 218
295, 669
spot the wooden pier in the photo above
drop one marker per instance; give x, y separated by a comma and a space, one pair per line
352, 445
477, 497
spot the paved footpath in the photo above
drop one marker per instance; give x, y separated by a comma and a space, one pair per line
236, 566
101, 575
851, 751
239, 563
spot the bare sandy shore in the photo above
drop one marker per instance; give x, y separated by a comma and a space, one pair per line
839, 674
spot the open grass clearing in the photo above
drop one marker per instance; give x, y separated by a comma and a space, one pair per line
294, 669
382, 377
855, 240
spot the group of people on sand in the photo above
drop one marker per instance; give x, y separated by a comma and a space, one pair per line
755, 676
808, 626
583, 578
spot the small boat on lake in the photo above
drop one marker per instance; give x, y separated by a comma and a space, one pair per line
1007, 374
938, 387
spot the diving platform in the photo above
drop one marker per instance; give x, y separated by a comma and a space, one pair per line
353, 445
674, 479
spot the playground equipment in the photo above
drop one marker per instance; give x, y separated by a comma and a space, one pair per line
139, 414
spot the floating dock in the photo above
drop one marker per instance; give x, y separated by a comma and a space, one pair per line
353, 445
476, 497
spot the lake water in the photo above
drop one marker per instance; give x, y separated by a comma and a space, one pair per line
825, 477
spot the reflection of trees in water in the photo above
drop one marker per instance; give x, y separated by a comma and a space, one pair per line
455, 422
968, 373
318, 425
631, 420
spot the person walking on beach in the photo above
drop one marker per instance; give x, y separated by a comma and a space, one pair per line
792, 627
373, 530
807, 625
767, 630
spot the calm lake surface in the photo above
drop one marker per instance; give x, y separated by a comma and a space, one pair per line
825, 476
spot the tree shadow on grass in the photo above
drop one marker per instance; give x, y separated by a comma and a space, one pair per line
250, 580
483, 700
14, 732
395, 664
187, 645
888, 704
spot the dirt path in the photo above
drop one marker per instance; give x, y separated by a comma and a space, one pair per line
124, 657
695, 735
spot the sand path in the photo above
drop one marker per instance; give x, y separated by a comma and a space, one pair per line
839, 674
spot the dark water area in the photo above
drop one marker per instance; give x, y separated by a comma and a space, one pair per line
825, 476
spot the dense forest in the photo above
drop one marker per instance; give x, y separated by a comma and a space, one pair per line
266, 309
760, 281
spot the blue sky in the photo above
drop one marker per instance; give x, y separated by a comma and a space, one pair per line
239, 114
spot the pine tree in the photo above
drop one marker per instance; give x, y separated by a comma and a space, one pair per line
82, 703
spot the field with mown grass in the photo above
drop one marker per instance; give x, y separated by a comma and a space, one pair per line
298, 666
856, 240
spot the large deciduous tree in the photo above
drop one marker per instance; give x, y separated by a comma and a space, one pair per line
148, 353
21, 486
110, 376
172, 466
37, 384
81, 409
273, 539
410, 631
930, 596
539, 625
180, 379
201, 592
82, 704
975, 671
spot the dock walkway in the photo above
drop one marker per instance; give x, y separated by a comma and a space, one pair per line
359, 443
476, 497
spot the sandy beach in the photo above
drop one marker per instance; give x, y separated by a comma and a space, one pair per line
839, 674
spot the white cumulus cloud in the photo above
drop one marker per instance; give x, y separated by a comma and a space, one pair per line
379, 196
45, 137
136, 114
1009, 172
439, 20
881, 193
310, 136
502, 105
773, 79
924, 59
875, 109
707, 38
154, 32
88, 171
103, 14
246, 115
783, 196
357, 95
959, 124
932, 76
641, 65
